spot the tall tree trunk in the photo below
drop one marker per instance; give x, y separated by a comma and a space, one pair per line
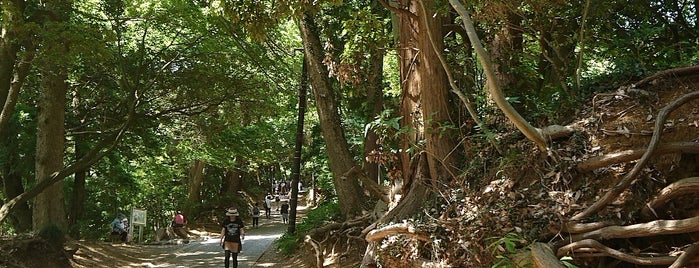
195, 181
296, 169
506, 48
49, 206
350, 195
12, 186
79, 195
375, 101
12, 20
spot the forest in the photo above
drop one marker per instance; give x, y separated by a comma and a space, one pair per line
430, 133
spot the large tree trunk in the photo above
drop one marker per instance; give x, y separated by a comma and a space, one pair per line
12, 186
195, 181
49, 206
351, 197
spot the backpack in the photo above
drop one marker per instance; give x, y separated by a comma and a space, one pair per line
255, 211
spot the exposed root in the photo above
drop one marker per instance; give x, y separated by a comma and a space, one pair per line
400, 228
543, 257
576, 228
630, 155
688, 256
680, 71
653, 228
678, 188
587, 244
629, 178
316, 248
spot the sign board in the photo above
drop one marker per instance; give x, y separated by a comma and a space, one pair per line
138, 216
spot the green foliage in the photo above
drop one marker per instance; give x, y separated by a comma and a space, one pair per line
326, 212
504, 248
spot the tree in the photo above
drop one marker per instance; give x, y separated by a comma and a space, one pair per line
349, 192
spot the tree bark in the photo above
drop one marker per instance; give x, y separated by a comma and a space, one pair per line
350, 195
296, 169
195, 181
49, 205
79, 195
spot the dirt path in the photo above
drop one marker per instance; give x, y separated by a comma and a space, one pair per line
258, 251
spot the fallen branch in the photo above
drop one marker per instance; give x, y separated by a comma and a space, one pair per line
626, 181
610, 252
543, 257
630, 155
395, 229
675, 189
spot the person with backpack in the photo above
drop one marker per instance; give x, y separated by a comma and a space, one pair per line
268, 205
255, 215
178, 223
232, 235
285, 212
119, 227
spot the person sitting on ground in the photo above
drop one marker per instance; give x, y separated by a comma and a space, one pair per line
232, 234
178, 223
285, 212
119, 228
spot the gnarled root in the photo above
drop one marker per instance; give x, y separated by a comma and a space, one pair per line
678, 188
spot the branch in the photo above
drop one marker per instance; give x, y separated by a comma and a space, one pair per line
396, 229
398, 11
630, 155
496, 93
610, 195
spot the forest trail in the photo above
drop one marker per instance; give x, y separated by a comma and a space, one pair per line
258, 250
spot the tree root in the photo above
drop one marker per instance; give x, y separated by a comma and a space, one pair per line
680, 71
626, 181
688, 256
598, 247
399, 228
630, 155
543, 257
316, 248
678, 188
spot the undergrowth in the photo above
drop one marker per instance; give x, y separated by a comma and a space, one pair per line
328, 211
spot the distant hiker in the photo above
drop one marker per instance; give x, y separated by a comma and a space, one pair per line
178, 223
285, 212
268, 204
232, 234
276, 200
255, 215
119, 227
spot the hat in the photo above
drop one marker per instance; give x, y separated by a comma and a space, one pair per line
231, 212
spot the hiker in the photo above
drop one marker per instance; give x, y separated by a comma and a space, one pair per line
255, 215
178, 223
232, 234
285, 212
119, 227
268, 205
